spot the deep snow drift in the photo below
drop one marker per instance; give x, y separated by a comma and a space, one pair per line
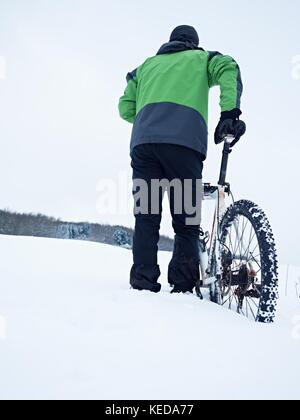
75, 330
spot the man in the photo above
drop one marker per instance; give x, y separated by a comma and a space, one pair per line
167, 101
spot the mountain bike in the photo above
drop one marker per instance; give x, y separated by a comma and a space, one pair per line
238, 258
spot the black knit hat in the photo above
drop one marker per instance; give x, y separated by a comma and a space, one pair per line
185, 33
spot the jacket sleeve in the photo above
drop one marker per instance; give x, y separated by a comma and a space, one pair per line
223, 71
127, 103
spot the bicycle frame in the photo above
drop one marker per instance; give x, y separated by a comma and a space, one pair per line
218, 194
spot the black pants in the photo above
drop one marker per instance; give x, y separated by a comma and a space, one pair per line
169, 162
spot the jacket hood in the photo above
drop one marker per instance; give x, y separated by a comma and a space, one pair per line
177, 46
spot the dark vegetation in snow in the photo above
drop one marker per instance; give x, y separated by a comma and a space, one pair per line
18, 224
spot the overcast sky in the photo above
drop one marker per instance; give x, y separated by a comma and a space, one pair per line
62, 69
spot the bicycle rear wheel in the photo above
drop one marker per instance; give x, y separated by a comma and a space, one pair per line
249, 280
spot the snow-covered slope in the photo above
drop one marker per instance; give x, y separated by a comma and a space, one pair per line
75, 330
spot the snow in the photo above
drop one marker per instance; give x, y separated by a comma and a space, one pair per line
72, 329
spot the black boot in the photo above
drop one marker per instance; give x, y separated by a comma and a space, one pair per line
183, 274
178, 289
144, 277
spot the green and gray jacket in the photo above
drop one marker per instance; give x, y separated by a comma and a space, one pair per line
166, 98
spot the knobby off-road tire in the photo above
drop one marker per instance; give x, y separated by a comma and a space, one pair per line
254, 260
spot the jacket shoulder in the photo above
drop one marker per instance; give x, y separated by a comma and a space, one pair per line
213, 54
131, 75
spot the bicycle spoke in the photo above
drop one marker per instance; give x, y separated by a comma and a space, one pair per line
254, 316
238, 305
230, 300
256, 262
254, 248
254, 302
239, 238
242, 237
250, 242
227, 299
230, 240
236, 238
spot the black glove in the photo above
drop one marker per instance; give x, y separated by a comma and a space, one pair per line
230, 124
